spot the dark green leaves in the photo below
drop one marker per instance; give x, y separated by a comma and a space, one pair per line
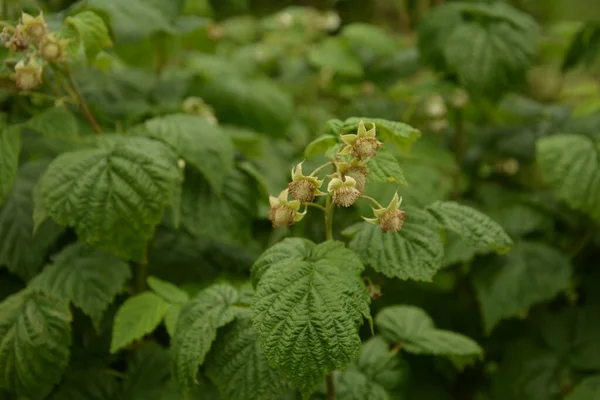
55, 123
197, 329
308, 303
203, 145
35, 337
476, 228
415, 331
10, 148
114, 196
529, 274
384, 168
569, 163
415, 252
237, 364
89, 278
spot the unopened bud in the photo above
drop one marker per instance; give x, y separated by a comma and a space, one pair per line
51, 49
284, 213
34, 28
459, 98
344, 192
331, 21
389, 218
28, 76
435, 107
362, 145
359, 174
304, 188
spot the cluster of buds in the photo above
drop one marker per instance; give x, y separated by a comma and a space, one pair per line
347, 184
32, 40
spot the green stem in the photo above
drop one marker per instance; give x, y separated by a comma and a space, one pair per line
320, 168
459, 148
141, 276
329, 207
330, 387
315, 205
372, 200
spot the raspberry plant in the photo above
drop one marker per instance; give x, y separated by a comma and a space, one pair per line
202, 202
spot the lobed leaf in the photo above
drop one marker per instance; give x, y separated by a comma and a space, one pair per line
529, 274
384, 168
196, 330
168, 291
476, 228
92, 31
238, 366
415, 252
114, 196
307, 308
319, 146
415, 331
89, 278
35, 336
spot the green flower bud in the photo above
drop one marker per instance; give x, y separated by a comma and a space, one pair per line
344, 192
304, 188
284, 213
51, 49
34, 27
28, 76
356, 171
363, 145
390, 218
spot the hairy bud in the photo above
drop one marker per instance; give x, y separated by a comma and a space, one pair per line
284, 213
363, 145
435, 107
304, 188
28, 76
389, 218
344, 192
359, 174
51, 49
34, 27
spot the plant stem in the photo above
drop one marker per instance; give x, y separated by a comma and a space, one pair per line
320, 168
82, 104
330, 387
372, 200
459, 148
316, 205
140, 276
329, 207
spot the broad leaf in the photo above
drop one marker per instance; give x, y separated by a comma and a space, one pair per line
137, 317
200, 143
308, 303
22, 251
384, 168
415, 252
415, 332
35, 336
92, 32
319, 146
376, 375
370, 39
114, 196
196, 330
168, 291
225, 217
396, 133
587, 389
476, 228
10, 148
237, 364
89, 278
569, 163
259, 104
529, 274
55, 123
147, 374
334, 54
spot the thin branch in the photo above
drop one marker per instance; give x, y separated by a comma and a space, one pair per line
372, 200
320, 168
330, 387
316, 205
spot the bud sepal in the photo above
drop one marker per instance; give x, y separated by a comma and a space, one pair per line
304, 188
362, 145
284, 212
389, 218
35, 28
28, 76
343, 190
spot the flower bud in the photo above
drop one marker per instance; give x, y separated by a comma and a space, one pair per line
28, 76
197, 106
304, 188
14, 39
356, 171
363, 145
459, 98
284, 213
344, 192
435, 107
34, 28
51, 49
390, 218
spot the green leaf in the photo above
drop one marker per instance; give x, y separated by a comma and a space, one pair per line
137, 317
35, 336
92, 31
489, 57
168, 291
147, 374
587, 389
367, 37
196, 330
334, 54
227, 217
257, 104
415, 331
22, 251
125, 18
55, 123
319, 146
92, 383
308, 303
415, 252
396, 133
376, 375
114, 196
171, 318
200, 143
530, 274
476, 228
10, 148
569, 163
89, 278
237, 364
384, 168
